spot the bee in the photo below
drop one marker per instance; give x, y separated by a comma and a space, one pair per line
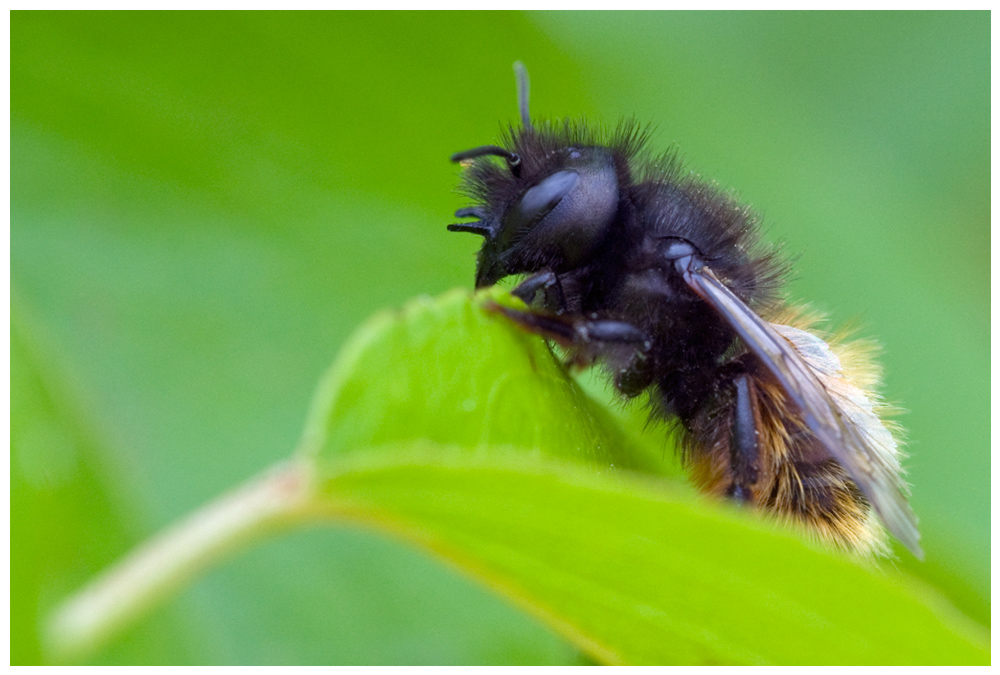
636, 264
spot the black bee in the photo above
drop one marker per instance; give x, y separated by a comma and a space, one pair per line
639, 265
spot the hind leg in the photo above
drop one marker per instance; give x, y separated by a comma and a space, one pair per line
744, 441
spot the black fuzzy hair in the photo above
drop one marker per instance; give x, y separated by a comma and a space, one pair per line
667, 197
490, 182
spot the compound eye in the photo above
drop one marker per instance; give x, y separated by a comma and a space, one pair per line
539, 201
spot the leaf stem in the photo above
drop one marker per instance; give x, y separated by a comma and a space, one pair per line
135, 584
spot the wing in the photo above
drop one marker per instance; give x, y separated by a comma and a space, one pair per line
837, 412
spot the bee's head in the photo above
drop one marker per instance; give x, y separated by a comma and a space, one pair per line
546, 209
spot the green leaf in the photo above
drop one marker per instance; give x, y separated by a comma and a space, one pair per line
453, 371
635, 573
632, 571
447, 425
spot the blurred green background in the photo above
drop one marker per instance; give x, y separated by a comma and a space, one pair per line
204, 206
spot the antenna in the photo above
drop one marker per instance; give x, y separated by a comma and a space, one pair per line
484, 150
523, 91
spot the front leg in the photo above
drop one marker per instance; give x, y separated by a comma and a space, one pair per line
553, 298
586, 339
575, 331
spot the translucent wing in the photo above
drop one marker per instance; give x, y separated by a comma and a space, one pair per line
836, 411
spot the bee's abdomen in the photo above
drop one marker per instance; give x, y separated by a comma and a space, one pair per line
823, 497
795, 480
